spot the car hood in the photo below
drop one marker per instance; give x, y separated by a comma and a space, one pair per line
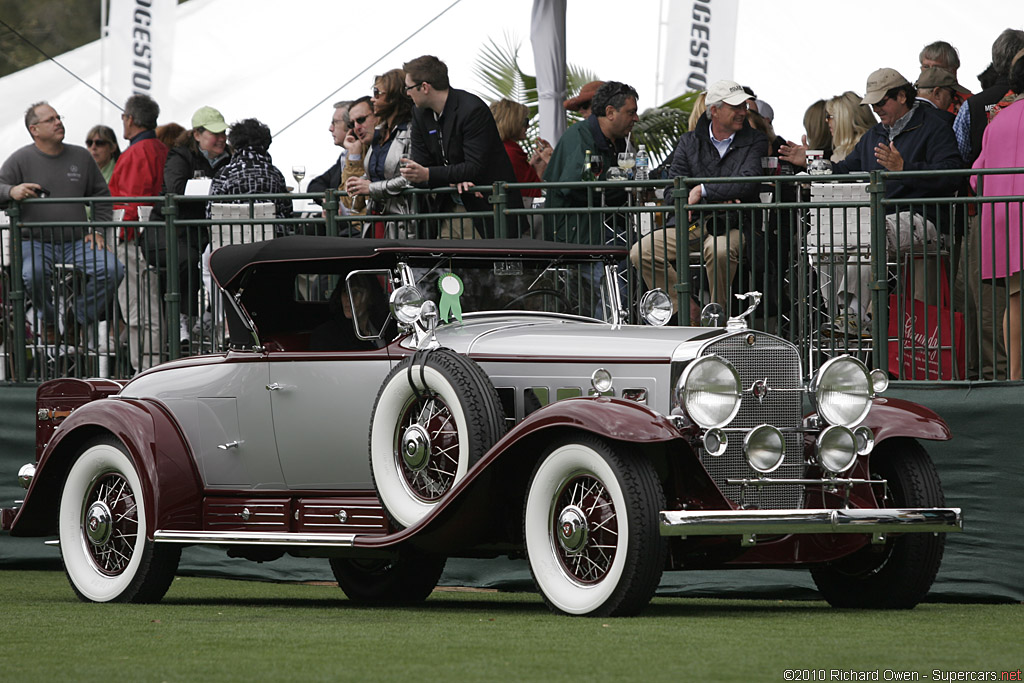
569, 338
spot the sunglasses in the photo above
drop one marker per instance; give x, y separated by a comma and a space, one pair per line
377, 92
881, 103
360, 121
97, 142
414, 85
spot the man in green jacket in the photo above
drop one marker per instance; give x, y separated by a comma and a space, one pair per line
604, 132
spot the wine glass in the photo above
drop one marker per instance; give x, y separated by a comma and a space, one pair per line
626, 161
597, 165
298, 172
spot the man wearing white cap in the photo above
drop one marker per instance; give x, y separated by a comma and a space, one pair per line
721, 145
909, 137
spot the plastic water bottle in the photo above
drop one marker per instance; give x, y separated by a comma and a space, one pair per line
643, 164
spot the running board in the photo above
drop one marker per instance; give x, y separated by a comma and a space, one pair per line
255, 538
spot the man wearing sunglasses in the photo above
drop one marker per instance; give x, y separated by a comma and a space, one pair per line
361, 124
455, 142
48, 167
909, 137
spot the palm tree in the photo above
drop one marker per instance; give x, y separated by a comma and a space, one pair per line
498, 69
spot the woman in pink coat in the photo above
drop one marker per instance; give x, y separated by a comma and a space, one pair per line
1001, 227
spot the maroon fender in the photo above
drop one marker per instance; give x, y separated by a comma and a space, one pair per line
612, 418
891, 417
171, 485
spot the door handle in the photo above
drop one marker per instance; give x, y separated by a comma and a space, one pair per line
229, 444
274, 386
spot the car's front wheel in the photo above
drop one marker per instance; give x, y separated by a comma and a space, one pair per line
898, 573
591, 528
407, 578
102, 528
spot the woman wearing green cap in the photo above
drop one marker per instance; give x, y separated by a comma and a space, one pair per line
200, 153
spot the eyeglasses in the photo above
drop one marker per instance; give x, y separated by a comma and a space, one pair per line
97, 142
881, 103
360, 121
377, 92
52, 119
414, 85
829, 117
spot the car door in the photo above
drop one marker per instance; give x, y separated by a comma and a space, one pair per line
321, 409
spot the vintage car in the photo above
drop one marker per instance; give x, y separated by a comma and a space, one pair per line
389, 404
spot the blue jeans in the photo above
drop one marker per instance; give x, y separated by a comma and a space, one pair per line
97, 296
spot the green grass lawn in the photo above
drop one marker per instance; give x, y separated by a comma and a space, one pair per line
219, 629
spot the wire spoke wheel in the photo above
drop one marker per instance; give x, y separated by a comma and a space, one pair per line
110, 521
586, 528
427, 448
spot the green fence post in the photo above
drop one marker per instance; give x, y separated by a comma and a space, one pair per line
879, 274
680, 196
172, 298
331, 212
499, 198
17, 294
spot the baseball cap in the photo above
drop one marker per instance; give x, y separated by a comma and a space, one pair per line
765, 110
584, 96
881, 82
936, 77
729, 92
210, 119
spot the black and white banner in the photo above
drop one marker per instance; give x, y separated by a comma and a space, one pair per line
700, 45
140, 48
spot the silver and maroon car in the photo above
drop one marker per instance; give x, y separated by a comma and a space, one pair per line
391, 404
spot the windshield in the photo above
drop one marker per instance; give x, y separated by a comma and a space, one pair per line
547, 285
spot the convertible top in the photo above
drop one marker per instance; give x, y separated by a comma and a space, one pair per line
228, 262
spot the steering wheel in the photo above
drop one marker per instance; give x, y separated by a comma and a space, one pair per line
562, 299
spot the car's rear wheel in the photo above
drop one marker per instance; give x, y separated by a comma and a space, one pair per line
103, 527
898, 573
407, 578
434, 417
591, 528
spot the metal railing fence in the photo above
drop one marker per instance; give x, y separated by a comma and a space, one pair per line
842, 268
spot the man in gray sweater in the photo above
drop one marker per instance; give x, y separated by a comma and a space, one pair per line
48, 167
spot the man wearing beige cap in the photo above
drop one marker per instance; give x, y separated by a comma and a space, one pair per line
721, 145
937, 87
909, 137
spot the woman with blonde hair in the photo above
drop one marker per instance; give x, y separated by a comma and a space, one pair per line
848, 120
512, 120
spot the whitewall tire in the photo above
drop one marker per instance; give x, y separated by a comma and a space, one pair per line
591, 528
102, 526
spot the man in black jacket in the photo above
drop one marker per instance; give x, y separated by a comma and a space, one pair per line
722, 145
331, 178
455, 142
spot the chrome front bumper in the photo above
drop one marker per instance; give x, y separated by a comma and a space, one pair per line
774, 522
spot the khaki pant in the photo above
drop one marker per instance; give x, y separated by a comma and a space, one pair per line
655, 256
458, 228
139, 296
982, 304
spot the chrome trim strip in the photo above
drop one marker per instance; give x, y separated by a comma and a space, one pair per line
838, 481
253, 538
849, 521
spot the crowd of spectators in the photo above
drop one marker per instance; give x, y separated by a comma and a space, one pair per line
417, 131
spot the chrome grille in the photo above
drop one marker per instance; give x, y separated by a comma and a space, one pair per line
778, 362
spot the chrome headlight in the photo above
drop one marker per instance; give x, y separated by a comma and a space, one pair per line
709, 391
656, 307
879, 381
842, 391
764, 448
405, 304
837, 449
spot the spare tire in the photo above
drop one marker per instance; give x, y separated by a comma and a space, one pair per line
435, 415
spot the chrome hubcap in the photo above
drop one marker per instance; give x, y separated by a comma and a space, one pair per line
99, 523
416, 447
572, 529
